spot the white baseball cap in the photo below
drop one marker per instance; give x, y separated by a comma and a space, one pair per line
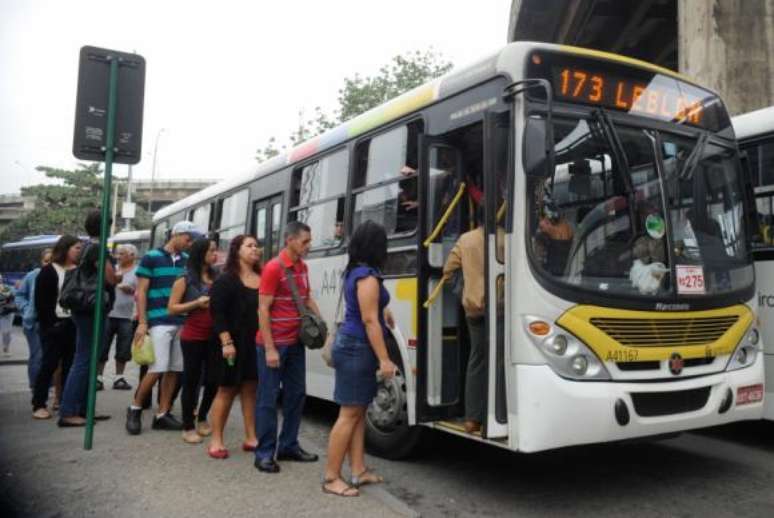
187, 227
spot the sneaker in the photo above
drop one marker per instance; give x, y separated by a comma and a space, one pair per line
167, 422
41, 413
100, 385
121, 384
134, 421
191, 437
203, 428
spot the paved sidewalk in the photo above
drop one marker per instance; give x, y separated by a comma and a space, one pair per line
44, 471
19, 350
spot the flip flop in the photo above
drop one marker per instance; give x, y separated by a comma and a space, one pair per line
357, 480
343, 492
249, 447
218, 454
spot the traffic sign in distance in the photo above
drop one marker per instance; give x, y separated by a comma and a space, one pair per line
92, 101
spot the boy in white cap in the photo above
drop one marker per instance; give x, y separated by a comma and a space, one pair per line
157, 272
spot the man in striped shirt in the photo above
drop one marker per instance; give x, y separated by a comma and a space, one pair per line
281, 358
157, 272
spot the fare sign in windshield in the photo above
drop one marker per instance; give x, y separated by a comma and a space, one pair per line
628, 88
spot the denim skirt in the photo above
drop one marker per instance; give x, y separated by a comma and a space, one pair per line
356, 365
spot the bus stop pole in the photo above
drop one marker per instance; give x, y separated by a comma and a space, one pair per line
99, 307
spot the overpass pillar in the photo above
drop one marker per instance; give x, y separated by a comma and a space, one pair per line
728, 45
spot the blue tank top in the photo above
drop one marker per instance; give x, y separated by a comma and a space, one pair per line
353, 321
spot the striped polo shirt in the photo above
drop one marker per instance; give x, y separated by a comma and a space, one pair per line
162, 269
285, 319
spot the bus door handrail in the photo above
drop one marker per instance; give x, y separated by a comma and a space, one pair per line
446, 215
436, 291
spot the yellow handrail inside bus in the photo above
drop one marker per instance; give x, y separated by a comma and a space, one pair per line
446, 216
501, 211
436, 291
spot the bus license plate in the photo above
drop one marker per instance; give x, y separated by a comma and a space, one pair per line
749, 394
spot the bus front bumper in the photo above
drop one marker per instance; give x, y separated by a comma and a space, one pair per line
554, 412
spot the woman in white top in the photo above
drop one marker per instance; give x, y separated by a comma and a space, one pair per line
57, 331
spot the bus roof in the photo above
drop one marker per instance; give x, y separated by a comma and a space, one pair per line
32, 242
758, 122
500, 63
129, 235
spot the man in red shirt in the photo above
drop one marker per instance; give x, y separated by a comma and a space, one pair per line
281, 357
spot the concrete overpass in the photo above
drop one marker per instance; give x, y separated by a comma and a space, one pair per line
727, 45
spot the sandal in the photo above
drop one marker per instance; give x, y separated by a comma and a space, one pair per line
366, 477
346, 492
218, 454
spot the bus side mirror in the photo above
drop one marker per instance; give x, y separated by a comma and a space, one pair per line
539, 156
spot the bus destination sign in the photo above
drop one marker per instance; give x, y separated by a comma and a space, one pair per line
660, 99
628, 88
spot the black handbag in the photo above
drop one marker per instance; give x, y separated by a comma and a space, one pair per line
313, 330
79, 291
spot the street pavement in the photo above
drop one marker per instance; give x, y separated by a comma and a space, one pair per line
725, 471
45, 472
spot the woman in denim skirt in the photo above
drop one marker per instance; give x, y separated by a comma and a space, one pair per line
359, 353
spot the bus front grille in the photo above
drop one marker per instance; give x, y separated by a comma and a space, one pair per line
665, 332
654, 404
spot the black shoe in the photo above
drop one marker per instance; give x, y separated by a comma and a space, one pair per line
267, 465
298, 456
166, 422
100, 385
121, 384
133, 421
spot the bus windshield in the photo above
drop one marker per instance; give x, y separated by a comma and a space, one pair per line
640, 213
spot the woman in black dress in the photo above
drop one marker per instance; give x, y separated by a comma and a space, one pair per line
231, 366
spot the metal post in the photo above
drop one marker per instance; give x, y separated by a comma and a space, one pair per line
99, 309
128, 221
153, 171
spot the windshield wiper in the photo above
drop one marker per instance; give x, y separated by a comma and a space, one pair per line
611, 135
693, 159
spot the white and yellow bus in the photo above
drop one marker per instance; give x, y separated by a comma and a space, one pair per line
619, 281
755, 132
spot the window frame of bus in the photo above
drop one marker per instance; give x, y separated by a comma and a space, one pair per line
360, 173
192, 212
339, 197
219, 211
548, 60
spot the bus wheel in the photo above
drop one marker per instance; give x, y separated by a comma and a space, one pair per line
388, 433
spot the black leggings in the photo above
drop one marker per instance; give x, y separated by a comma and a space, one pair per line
58, 344
194, 365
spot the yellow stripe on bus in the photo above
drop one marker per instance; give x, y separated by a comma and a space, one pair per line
624, 59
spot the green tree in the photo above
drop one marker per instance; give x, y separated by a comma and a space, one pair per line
60, 208
361, 93
400, 75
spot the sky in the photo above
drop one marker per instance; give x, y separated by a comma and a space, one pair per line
221, 77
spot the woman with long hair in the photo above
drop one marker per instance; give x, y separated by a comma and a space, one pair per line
57, 330
359, 353
232, 364
191, 296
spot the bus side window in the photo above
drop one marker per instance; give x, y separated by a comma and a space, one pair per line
385, 182
318, 195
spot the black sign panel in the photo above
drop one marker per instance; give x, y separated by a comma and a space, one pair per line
631, 89
92, 103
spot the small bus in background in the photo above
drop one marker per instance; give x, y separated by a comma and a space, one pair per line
19, 257
139, 238
755, 134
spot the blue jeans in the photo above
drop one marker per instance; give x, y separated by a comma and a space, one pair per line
77, 384
291, 374
32, 334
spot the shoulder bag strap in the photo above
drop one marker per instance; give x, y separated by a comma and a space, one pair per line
294, 290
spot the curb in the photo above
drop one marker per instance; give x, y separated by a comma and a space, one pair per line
390, 500
13, 362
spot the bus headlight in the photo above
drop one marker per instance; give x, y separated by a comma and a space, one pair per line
746, 352
565, 353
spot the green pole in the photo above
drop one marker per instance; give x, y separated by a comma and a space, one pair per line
99, 309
